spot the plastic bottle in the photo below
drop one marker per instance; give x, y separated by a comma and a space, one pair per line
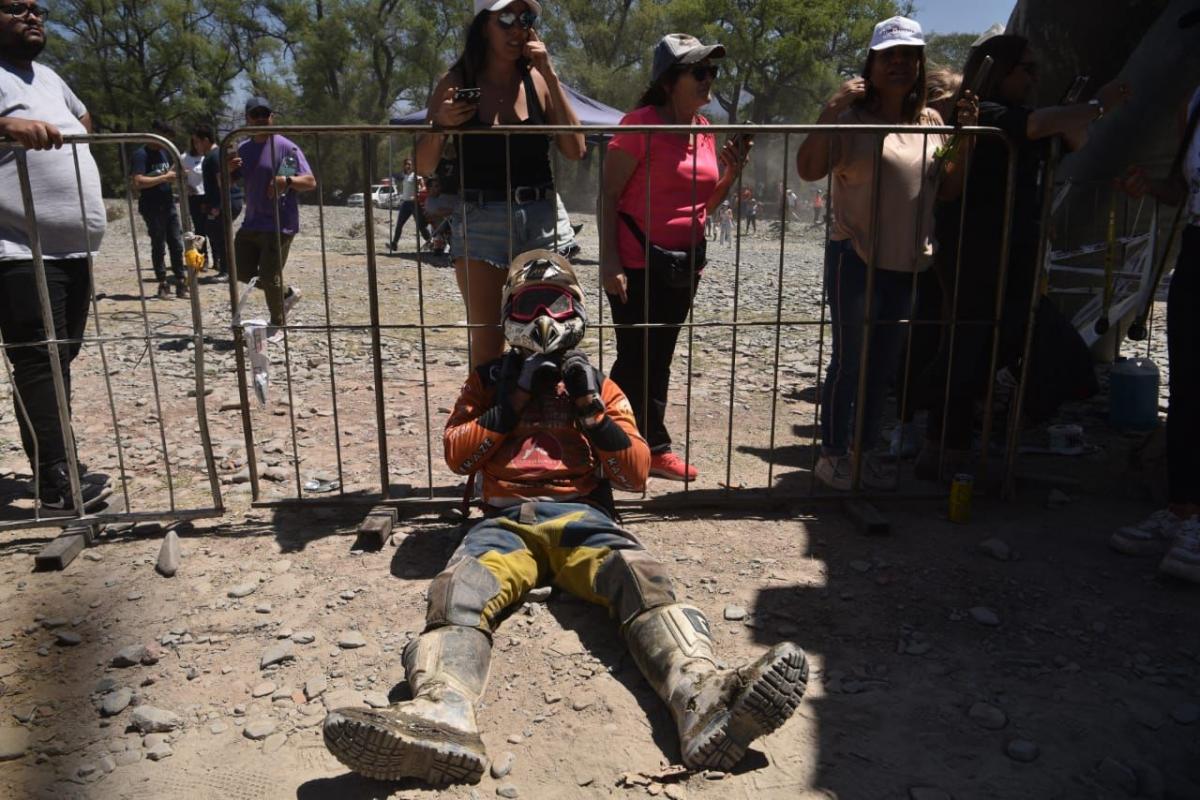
1133, 394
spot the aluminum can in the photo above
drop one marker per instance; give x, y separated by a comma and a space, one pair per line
961, 489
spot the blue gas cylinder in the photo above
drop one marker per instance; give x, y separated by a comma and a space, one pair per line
1133, 394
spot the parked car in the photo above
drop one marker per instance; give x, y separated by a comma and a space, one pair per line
383, 195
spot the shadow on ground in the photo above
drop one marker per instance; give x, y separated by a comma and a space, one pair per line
1084, 654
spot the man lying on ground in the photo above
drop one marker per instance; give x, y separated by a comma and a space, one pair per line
551, 436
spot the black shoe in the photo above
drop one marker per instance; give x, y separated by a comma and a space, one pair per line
181, 290
98, 478
56, 490
164, 291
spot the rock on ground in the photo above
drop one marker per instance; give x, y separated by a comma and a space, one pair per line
114, 703
169, 555
13, 743
149, 719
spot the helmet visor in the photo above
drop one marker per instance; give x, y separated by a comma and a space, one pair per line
528, 304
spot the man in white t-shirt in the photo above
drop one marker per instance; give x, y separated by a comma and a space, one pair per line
36, 110
410, 183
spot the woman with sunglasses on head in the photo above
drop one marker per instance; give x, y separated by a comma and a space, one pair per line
683, 177
1004, 95
506, 61
892, 232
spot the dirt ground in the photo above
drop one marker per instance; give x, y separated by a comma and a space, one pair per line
1014, 657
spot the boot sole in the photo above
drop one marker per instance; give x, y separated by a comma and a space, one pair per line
772, 690
393, 749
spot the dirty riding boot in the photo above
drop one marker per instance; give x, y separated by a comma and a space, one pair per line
718, 711
434, 736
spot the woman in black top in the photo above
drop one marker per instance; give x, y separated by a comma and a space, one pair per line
504, 59
1004, 96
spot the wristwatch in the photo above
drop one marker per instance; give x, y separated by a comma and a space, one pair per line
1096, 104
289, 181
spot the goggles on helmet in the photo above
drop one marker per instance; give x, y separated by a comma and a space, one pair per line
528, 304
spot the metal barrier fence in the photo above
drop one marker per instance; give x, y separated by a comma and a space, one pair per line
116, 340
415, 336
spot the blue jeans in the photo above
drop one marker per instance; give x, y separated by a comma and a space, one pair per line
846, 288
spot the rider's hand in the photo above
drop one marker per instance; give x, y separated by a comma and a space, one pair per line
539, 373
579, 376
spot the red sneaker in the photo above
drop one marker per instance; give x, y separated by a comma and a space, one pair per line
670, 466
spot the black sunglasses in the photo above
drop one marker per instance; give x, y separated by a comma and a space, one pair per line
23, 9
527, 20
702, 72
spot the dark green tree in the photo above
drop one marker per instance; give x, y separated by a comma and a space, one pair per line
949, 50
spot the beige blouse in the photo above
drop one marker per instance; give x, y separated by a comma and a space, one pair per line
908, 191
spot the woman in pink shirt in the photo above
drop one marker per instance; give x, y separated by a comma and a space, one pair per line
661, 188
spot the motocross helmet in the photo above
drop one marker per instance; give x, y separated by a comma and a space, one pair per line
542, 304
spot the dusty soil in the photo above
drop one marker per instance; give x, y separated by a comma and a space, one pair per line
1087, 663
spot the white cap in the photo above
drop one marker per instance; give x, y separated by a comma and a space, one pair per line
496, 5
681, 48
991, 33
897, 31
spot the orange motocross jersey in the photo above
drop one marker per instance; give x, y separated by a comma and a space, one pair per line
542, 453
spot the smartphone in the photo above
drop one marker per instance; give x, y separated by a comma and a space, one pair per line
978, 82
985, 69
469, 95
741, 141
1075, 90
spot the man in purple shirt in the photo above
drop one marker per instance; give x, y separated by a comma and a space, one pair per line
273, 170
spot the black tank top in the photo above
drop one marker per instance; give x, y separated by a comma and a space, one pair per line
485, 165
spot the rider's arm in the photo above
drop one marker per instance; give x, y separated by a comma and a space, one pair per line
623, 454
479, 423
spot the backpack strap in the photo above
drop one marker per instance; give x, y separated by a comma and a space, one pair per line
633, 228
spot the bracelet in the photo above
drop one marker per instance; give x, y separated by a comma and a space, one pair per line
289, 181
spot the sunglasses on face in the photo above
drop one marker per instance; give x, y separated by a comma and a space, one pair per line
703, 72
23, 9
529, 304
526, 20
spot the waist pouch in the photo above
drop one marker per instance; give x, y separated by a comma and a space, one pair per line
675, 267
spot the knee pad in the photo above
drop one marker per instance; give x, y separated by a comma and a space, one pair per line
459, 594
633, 581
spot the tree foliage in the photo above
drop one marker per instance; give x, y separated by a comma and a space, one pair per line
362, 61
133, 61
949, 50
